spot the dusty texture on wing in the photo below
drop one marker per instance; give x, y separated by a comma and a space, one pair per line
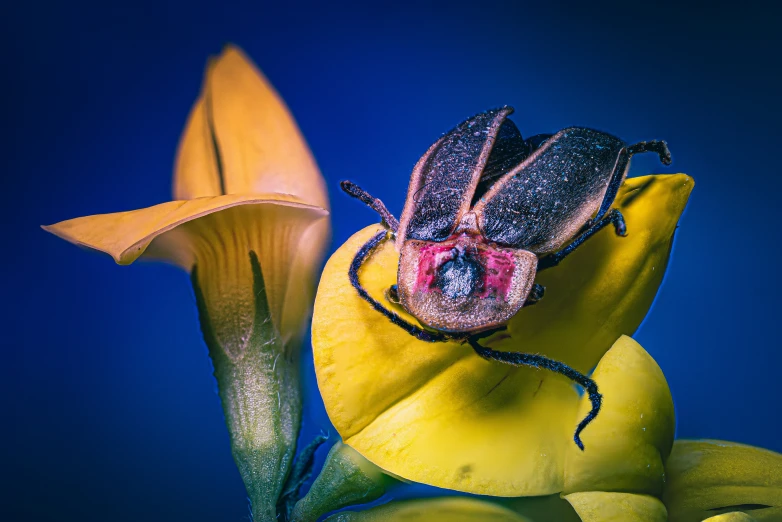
445, 178
509, 151
542, 203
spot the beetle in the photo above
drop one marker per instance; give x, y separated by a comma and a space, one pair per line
486, 210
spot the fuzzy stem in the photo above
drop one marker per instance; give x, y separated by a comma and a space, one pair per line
258, 384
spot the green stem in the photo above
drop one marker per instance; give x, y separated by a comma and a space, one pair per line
258, 385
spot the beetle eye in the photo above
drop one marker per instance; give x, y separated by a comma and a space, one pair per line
459, 277
392, 294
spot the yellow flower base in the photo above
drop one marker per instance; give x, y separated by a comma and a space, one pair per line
439, 414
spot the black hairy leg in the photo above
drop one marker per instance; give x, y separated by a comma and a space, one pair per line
540, 361
512, 358
360, 258
535, 295
613, 218
617, 175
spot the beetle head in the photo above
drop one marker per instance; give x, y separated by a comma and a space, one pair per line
463, 284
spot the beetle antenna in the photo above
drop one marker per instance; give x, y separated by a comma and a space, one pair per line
539, 361
351, 189
361, 256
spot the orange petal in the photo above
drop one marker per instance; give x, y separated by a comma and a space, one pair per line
195, 173
259, 148
218, 233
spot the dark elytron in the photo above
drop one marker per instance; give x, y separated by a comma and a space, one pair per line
552, 194
485, 211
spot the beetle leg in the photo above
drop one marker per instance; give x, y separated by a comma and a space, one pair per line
361, 256
658, 146
620, 168
375, 204
614, 217
535, 295
539, 361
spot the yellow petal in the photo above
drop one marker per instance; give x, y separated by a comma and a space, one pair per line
600, 506
260, 148
628, 443
437, 413
218, 233
711, 477
432, 413
433, 510
605, 288
735, 516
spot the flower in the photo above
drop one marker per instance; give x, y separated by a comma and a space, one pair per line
437, 413
623, 471
713, 477
244, 180
707, 480
633, 470
249, 221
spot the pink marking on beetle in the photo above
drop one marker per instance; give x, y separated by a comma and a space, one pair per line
430, 260
498, 265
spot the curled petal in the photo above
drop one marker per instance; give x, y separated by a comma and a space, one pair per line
710, 477
628, 443
601, 506
242, 126
437, 413
196, 174
240, 138
433, 510
218, 233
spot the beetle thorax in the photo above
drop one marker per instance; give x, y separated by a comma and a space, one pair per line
464, 283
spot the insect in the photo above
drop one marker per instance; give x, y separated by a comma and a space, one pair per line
486, 211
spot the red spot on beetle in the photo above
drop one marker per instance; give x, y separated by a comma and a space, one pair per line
498, 275
497, 265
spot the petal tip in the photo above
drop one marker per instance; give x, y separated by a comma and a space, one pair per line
687, 180
231, 49
60, 230
680, 179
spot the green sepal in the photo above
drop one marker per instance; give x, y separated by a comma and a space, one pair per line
301, 472
346, 479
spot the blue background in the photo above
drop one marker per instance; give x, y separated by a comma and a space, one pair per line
109, 410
